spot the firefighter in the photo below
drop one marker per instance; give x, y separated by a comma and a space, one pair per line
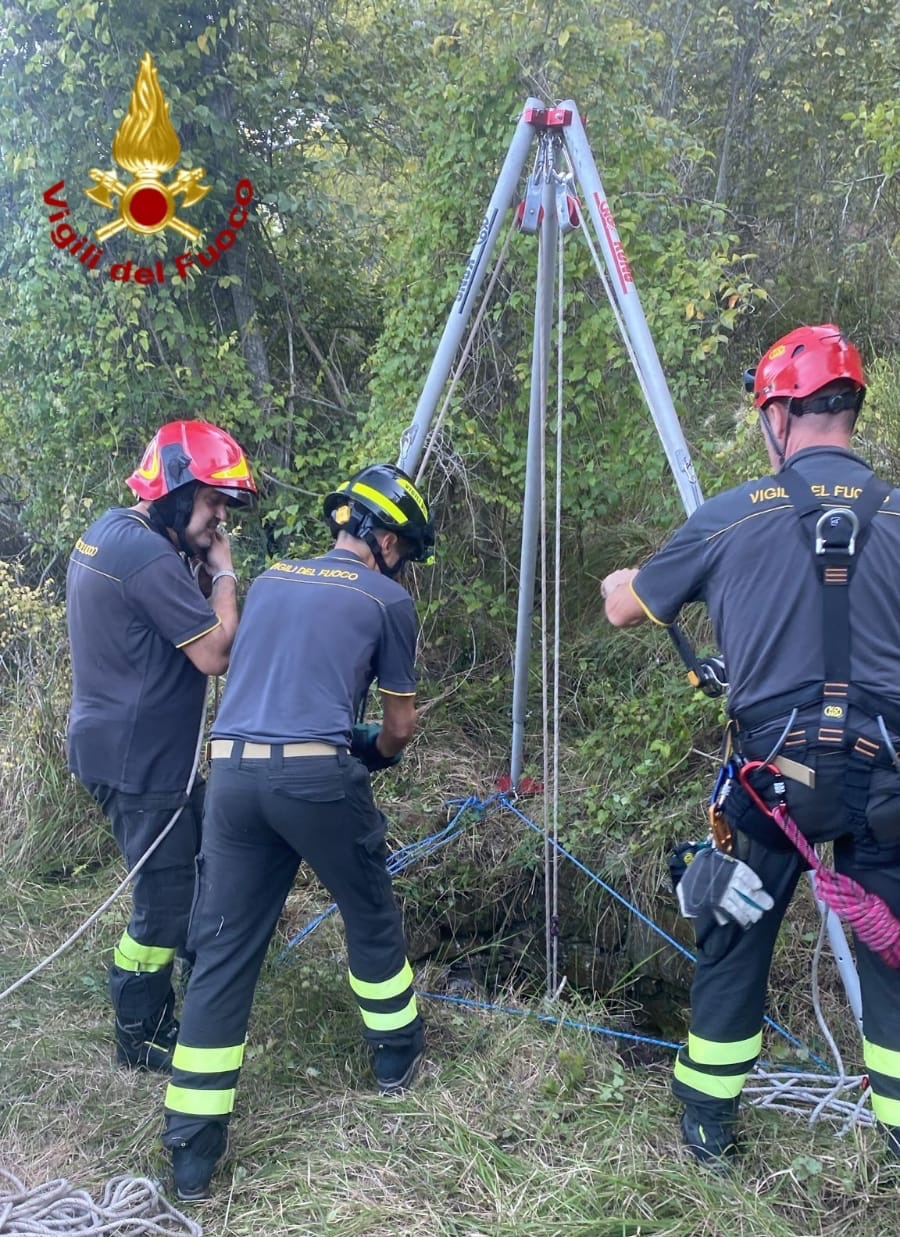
290, 780
798, 572
152, 611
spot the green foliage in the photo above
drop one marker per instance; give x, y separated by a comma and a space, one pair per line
43, 823
645, 749
878, 429
30, 618
749, 155
781, 96
267, 340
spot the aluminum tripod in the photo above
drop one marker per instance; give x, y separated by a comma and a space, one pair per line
565, 162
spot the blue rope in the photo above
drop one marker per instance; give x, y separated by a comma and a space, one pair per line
561, 1022
402, 858
649, 922
597, 880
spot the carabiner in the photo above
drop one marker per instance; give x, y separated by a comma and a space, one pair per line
751, 766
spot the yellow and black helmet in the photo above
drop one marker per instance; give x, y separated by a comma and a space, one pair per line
382, 496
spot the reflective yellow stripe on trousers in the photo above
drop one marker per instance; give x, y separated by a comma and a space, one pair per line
131, 955
884, 1061
386, 988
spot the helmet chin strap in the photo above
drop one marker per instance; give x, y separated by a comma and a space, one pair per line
173, 511
375, 548
361, 527
779, 448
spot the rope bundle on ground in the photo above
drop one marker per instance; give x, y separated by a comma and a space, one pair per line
868, 915
130, 1207
829, 1097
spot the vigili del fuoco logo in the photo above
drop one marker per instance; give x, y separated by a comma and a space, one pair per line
146, 146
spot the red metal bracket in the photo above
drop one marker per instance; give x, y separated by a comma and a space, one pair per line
547, 117
527, 786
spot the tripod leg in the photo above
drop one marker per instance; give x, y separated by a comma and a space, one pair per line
413, 437
640, 342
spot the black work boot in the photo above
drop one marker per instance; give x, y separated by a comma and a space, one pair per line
146, 1029
194, 1161
892, 1142
140, 1047
710, 1141
396, 1061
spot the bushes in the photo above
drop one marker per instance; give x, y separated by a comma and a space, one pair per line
45, 821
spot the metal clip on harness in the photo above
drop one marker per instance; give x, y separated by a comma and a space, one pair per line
832, 521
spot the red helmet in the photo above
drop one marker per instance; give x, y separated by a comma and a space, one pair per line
185, 451
804, 361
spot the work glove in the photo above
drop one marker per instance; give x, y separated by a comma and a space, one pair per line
727, 887
363, 747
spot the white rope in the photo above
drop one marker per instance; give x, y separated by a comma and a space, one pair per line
557, 602
818, 1094
821, 1095
550, 942
101, 910
130, 1207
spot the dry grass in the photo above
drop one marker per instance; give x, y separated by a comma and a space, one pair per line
515, 1127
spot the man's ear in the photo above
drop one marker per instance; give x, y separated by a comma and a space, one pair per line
389, 541
779, 417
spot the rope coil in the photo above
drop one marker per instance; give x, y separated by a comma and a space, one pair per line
129, 1207
868, 915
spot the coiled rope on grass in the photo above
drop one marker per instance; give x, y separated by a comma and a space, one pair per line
129, 1207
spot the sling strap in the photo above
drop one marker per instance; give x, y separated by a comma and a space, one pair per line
836, 540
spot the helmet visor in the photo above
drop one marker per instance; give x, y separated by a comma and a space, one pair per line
237, 498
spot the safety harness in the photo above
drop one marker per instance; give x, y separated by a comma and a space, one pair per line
751, 796
836, 539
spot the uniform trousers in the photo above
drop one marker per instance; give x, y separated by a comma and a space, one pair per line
263, 816
728, 994
161, 895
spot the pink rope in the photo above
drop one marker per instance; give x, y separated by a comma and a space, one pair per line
868, 915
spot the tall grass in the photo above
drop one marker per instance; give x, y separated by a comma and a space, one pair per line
45, 822
516, 1128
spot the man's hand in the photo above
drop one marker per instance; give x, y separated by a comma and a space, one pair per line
218, 556
616, 579
727, 887
364, 746
622, 607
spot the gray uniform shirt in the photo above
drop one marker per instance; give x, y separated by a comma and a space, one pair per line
314, 634
745, 555
137, 699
